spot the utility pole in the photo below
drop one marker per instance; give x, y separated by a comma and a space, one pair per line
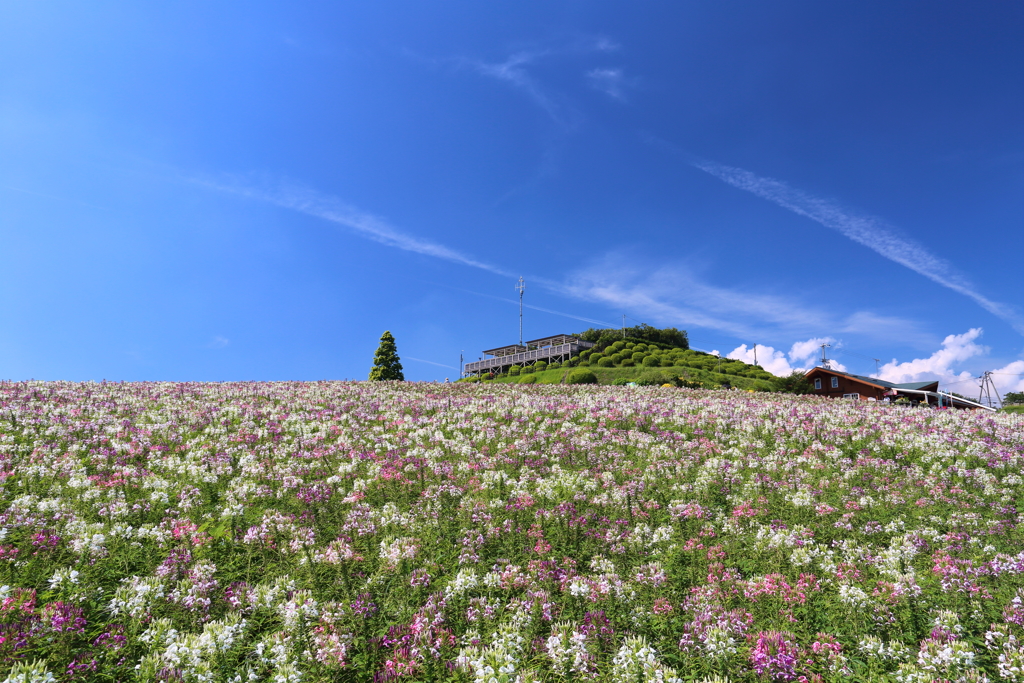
462, 373
824, 359
521, 287
755, 355
623, 325
988, 387
876, 364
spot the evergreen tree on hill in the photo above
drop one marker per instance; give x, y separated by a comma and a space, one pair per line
386, 365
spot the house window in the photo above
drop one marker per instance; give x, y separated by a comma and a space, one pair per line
855, 397
817, 383
835, 382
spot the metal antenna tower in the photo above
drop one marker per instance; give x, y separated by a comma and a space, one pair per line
824, 358
521, 287
988, 387
877, 361
755, 355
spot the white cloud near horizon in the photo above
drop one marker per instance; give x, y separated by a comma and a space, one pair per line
865, 230
777, 362
955, 349
941, 364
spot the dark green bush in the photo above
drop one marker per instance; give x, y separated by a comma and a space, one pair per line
528, 379
554, 366
605, 363
582, 377
794, 383
627, 363
540, 365
527, 369
652, 361
638, 356
514, 371
655, 378
595, 358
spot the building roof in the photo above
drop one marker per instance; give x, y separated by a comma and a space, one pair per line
505, 350
920, 386
553, 340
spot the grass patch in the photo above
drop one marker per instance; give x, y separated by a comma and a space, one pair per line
611, 375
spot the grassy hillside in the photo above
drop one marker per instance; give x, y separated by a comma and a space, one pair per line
631, 374
633, 359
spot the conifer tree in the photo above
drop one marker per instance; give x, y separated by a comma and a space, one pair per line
386, 365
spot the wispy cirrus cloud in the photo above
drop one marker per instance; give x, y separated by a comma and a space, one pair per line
430, 362
609, 81
676, 295
296, 197
515, 71
868, 231
672, 294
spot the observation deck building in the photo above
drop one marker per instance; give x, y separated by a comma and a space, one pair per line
555, 349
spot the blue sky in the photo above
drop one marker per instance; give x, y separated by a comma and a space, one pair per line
222, 191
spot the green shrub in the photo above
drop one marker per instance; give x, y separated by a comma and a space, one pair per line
540, 365
528, 379
640, 347
582, 377
655, 378
527, 369
627, 363
622, 381
595, 358
582, 363
615, 358
554, 366
605, 363
514, 371
638, 356
652, 361
618, 346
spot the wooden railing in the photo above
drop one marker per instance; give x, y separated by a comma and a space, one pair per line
527, 356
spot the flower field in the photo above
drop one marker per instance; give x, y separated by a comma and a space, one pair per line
421, 532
